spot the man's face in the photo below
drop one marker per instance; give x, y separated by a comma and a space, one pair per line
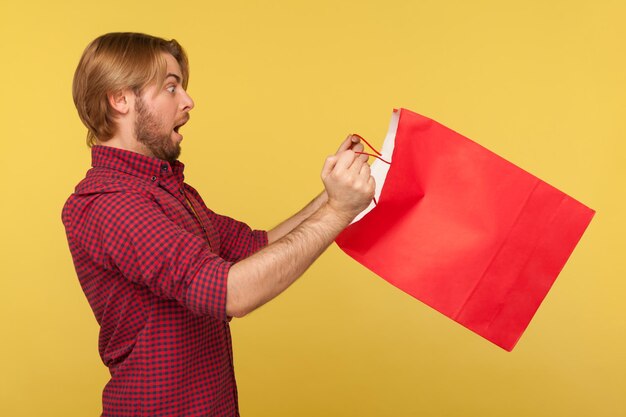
160, 111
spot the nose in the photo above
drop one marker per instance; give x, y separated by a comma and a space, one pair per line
187, 102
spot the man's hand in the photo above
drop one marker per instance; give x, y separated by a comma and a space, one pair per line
348, 182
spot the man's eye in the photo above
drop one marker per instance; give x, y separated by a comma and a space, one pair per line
171, 88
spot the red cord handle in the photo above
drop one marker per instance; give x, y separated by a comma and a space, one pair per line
378, 154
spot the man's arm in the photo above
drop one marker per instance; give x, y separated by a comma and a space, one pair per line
351, 142
291, 223
259, 278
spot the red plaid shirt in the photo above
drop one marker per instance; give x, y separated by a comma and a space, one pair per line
154, 270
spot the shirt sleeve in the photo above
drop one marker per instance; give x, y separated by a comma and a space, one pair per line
129, 233
237, 239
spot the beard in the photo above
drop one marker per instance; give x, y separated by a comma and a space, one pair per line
151, 133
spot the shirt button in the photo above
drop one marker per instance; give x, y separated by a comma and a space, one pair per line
153, 178
181, 191
163, 167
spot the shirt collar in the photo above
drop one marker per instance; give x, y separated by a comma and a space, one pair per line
145, 167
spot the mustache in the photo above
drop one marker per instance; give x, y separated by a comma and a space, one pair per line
184, 120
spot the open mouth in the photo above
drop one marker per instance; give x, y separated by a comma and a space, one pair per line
178, 126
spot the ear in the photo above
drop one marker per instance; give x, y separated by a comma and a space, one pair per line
121, 101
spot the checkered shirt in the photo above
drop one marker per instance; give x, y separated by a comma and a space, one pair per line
153, 261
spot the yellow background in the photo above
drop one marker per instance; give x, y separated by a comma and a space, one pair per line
277, 86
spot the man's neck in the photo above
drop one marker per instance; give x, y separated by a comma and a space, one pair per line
128, 144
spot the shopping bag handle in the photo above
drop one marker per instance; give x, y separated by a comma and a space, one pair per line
376, 155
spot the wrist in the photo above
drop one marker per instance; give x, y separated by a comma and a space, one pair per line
341, 216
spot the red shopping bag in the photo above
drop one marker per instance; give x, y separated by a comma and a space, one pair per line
463, 230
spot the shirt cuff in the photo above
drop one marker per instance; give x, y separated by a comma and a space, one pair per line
260, 236
206, 295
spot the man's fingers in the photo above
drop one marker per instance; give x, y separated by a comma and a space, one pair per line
353, 142
346, 159
348, 143
358, 147
345, 145
357, 165
365, 170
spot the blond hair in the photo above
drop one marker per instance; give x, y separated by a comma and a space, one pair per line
112, 63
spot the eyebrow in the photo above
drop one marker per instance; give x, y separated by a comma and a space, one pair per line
178, 79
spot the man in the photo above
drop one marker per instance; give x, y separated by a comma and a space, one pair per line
163, 273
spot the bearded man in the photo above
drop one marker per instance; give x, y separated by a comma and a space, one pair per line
164, 274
